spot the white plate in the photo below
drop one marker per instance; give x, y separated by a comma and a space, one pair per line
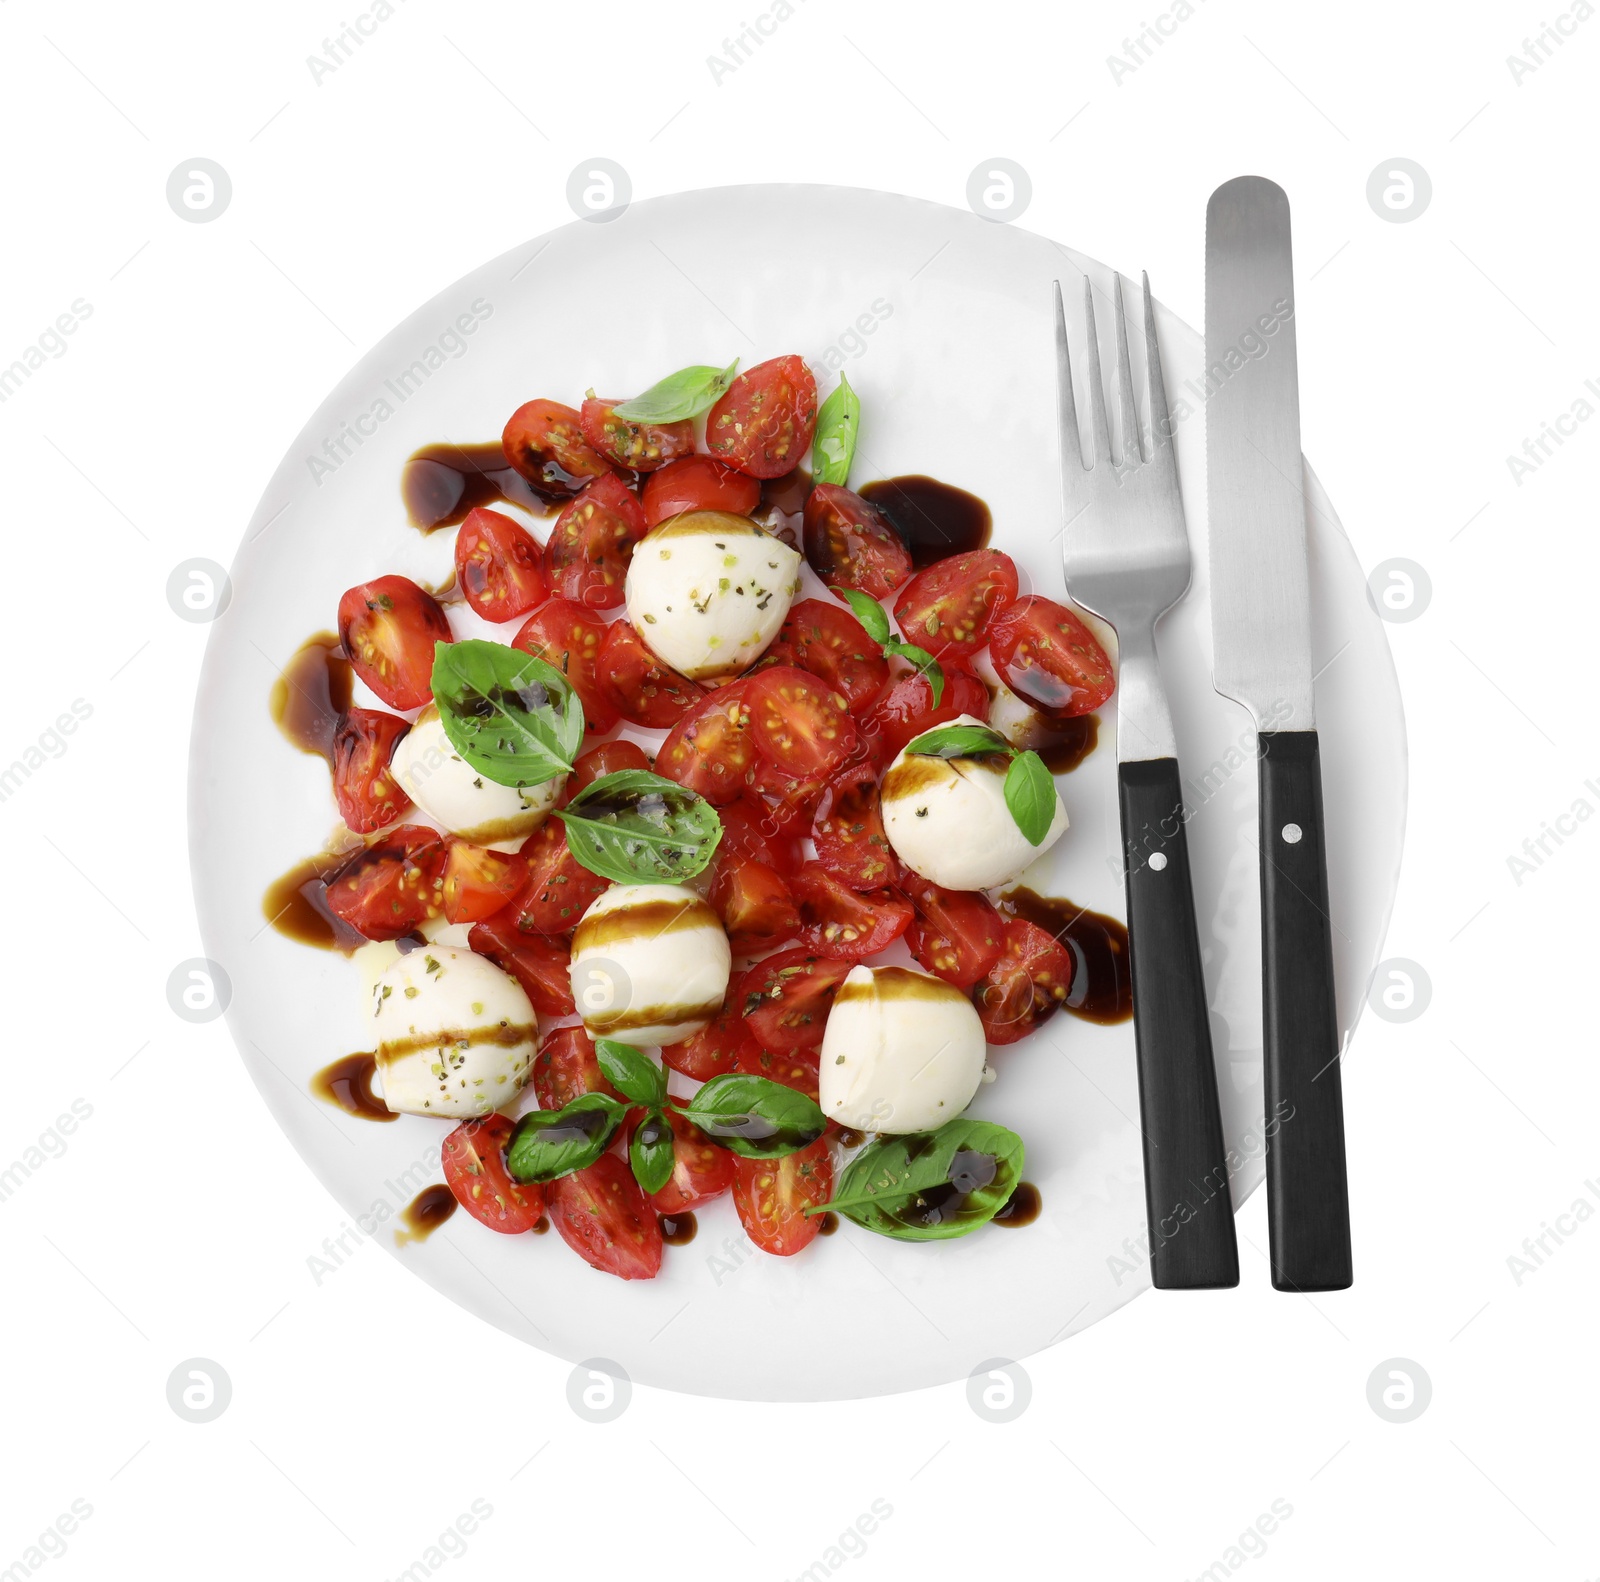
943, 321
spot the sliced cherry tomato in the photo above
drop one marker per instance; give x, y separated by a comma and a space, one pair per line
389, 627
479, 882
1026, 986
473, 1156
748, 831
948, 607
586, 556
711, 749
601, 1214
386, 889
800, 724
788, 802
701, 1171
608, 758
906, 710
558, 889
848, 831
762, 423
850, 543
642, 689
957, 935
831, 643
368, 795
839, 921
542, 966
567, 1066
1049, 658
698, 483
755, 906
772, 1196
544, 441
714, 1050
641, 446
499, 566
569, 637
787, 997
796, 1068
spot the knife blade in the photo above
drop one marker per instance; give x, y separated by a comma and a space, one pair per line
1261, 639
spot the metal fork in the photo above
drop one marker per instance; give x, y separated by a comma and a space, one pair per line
1126, 556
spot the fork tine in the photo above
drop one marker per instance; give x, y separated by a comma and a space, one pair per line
1131, 449
1160, 422
1097, 395
1066, 406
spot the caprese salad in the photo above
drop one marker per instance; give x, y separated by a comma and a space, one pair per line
638, 973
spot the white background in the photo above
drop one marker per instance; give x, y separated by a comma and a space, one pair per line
367, 1413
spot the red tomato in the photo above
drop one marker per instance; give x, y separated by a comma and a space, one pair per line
479, 882
850, 543
772, 1196
586, 556
957, 935
642, 689
608, 758
698, 483
748, 832
601, 1214
755, 906
796, 1069
568, 636
475, 1172
1026, 986
701, 1171
848, 831
831, 643
711, 749
837, 921
389, 627
386, 889
542, 966
789, 803
786, 998
565, 1067
762, 424
1049, 658
368, 795
641, 446
544, 441
714, 1050
948, 607
498, 566
907, 710
558, 890
799, 723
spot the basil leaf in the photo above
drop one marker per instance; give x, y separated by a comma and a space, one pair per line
638, 828
650, 1152
834, 447
960, 741
551, 1143
869, 612
875, 622
515, 719
684, 394
632, 1072
931, 1186
755, 1117
924, 661
1031, 795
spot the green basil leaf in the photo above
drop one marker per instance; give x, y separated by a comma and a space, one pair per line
650, 1152
960, 741
632, 1072
684, 394
931, 1186
515, 719
755, 1117
834, 447
869, 612
638, 828
551, 1143
924, 661
1031, 795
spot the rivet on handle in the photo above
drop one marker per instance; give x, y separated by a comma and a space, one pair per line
1291, 834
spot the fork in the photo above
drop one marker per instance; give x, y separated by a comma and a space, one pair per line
1126, 556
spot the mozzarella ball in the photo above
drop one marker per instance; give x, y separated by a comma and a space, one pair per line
455, 1034
447, 788
903, 1051
948, 821
650, 964
707, 591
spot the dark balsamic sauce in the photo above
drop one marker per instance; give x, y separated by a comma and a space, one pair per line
677, 1230
296, 904
1102, 986
441, 483
312, 695
348, 1083
830, 1223
1021, 1208
849, 1137
935, 519
425, 1213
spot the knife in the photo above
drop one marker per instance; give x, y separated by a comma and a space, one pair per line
1261, 636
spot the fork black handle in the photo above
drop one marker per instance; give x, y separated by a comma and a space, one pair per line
1187, 1201
1308, 1195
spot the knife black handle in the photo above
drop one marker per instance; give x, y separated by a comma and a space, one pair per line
1308, 1196
1187, 1201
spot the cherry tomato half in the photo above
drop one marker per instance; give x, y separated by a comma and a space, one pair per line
762, 423
906, 710
772, 1196
787, 997
1049, 658
568, 636
642, 689
499, 566
544, 441
711, 749
956, 935
701, 1171
747, 831
698, 483
558, 889
363, 744
795, 1068
601, 1214
948, 607
479, 882
755, 906
567, 1066
627, 443
838, 921
386, 889
831, 643
1026, 986
799, 723
586, 556
714, 1050
850, 543
389, 627
473, 1156
848, 831
608, 758
542, 966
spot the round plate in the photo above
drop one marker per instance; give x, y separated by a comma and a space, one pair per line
942, 321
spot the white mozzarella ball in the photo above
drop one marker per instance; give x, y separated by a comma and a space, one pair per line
455, 1035
948, 821
707, 591
903, 1051
447, 788
650, 964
